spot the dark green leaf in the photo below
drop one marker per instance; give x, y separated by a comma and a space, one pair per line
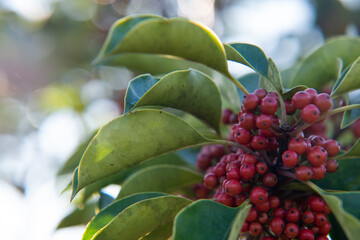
162, 233
118, 178
350, 81
178, 37
105, 200
288, 93
354, 152
274, 77
249, 55
239, 221
350, 116
110, 212
320, 68
250, 82
161, 178
136, 90
190, 91
79, 216
344, 206
142, 217
131, 139
204, 219
346, 178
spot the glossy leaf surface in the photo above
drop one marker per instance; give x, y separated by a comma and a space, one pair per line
320, 67
142, 217
354, 152
161, 178
348, 82
204, 219
190, 91
110, 212
239, 220
350, 116
131, 139
179, 37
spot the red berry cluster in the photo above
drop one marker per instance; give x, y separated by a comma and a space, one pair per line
267, 154
304, 219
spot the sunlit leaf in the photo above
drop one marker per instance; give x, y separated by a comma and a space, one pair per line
350, 81
190, 91
111, 211
161, 178
142, 217
131, 139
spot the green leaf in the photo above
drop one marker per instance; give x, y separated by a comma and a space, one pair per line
142, 217
178, 37
190, 91
131, 139
249, 55
118, 178
162, 233
349, 82
105, 200
274, 77
289, 93
119, 30
161, 178
204, 219
80, 216
111, 211
345, 178
239, 221
344, 206
350, 116
250, 82
320, 68
354, 152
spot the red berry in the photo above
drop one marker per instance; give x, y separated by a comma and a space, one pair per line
355, 127
273, 94
252, 215
263, 207
289, 107
332, 165
260, 93
270, 180
203, 161
259, 142
226, 113
210, 181
220, 169
320, 219
266, 133
322, 237
324, 102
298, 145
317, 141
255, 229
332, 147
291, 230
277, 225
247, 120
250, 101
325, 229
318, 172
308, 217
240, 199
261, 168
301, 99
326, 210
306, 234
293, 215
310, 113
247, 171
225, 199
241, 135
290, 158
272, 144
249, 158
313, 93
263, 218
315, 229
269, 238
279, 212
233, 187
245, 227
303, 173
269, 105
263, 121
317, 156
233, 173
217, 151
258, 195
274, 201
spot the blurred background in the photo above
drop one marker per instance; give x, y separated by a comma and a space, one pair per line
51, 99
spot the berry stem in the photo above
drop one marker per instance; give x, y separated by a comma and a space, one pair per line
238, 84
324, 116
283, 110
267, 159
286, 173
228, 143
